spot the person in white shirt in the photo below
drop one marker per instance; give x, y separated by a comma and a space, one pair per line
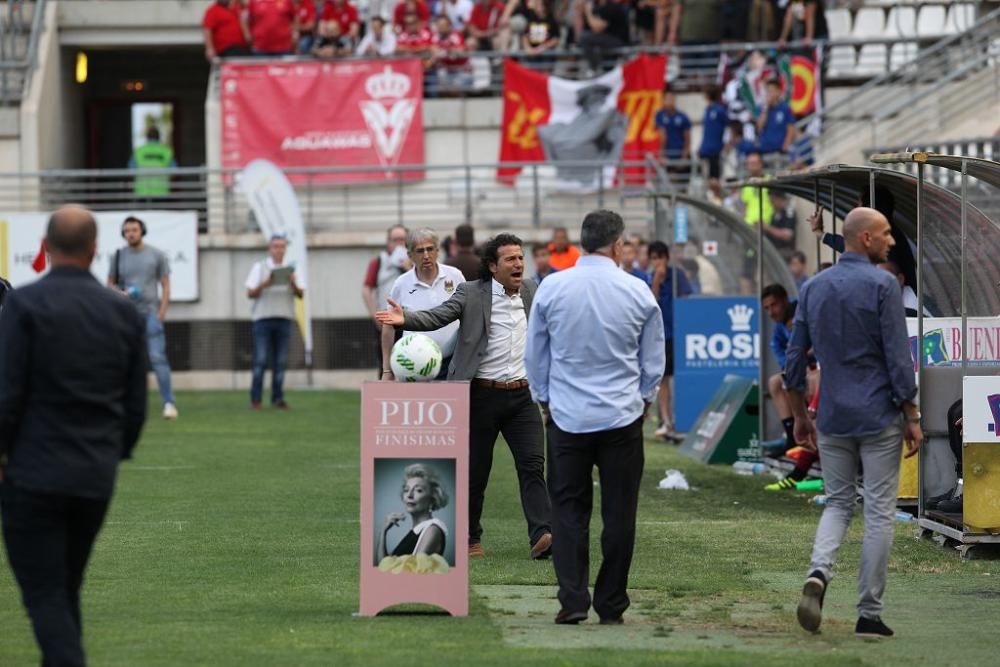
378, 40
429, 283
494, 314
458, 11
381, 275
273, 286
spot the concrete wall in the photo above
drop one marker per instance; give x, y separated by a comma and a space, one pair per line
337, 263
131, 22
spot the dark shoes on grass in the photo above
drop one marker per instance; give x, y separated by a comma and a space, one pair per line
872, 628
810, 611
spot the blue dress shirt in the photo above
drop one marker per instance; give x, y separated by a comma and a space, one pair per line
595, 347
851, 315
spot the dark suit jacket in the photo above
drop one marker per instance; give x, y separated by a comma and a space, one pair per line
72, 384
472, 304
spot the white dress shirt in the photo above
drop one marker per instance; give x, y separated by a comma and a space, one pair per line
413, 294
595, 347
383, 47
504, 360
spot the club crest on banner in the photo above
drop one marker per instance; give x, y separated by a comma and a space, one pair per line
389, 112
363, 114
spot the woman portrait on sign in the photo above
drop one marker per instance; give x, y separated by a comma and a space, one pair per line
421, 494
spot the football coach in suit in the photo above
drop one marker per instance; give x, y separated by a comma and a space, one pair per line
490, 353
72, 404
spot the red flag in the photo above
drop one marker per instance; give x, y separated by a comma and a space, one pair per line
41, 261
525, 107
533, 100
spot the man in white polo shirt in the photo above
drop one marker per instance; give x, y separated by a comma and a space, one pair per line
428, 284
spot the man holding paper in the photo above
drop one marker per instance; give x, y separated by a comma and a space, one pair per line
273, 286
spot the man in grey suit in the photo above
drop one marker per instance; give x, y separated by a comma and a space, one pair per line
490, 353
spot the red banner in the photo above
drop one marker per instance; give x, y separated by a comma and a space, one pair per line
614, 111
325, 114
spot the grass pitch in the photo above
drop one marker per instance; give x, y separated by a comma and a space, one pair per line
233, 540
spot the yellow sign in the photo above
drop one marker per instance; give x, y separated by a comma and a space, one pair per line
4, 256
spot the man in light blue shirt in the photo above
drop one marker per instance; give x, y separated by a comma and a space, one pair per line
594, 359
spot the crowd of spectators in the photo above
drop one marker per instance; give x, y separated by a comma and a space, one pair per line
331, 28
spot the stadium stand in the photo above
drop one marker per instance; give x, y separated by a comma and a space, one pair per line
881, 59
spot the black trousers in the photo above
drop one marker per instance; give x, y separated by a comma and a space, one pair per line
515, 415
619, 457
49, 538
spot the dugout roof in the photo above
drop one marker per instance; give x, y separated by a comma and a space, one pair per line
840, 187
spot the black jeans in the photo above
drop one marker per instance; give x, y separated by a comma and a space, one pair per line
619, 458
49, 538
513, 413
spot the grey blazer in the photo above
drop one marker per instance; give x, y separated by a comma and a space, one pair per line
472, 304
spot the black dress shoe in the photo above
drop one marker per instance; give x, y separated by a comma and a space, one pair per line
566, 617
932, 503
950, 506
872, 627
616, 620
810, 611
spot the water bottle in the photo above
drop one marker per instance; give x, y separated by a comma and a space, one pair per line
905, 517
748, 468
818, 500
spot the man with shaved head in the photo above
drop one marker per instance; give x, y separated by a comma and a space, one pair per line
851, 316
72, 405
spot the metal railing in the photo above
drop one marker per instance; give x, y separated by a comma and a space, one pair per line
18, 46
689, 67
957, 77
362, 198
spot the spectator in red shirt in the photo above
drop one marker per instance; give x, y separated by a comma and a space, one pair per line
223, 30
272, 25
418, 7
338, 29
449, 58
415, 40
346, 16
305, 12
484, 25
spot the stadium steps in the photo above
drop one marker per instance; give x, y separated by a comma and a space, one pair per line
948, 91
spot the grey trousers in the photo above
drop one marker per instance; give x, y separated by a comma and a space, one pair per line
879, 455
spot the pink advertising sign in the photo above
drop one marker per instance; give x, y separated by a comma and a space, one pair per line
414, 495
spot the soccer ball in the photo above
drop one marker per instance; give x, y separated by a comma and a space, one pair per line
415, 358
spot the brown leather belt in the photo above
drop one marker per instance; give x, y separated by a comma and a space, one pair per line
506, 386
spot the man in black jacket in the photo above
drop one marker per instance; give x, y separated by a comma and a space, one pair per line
72, 405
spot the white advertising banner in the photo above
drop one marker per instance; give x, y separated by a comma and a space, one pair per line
943, 341
22, 259
981, 409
